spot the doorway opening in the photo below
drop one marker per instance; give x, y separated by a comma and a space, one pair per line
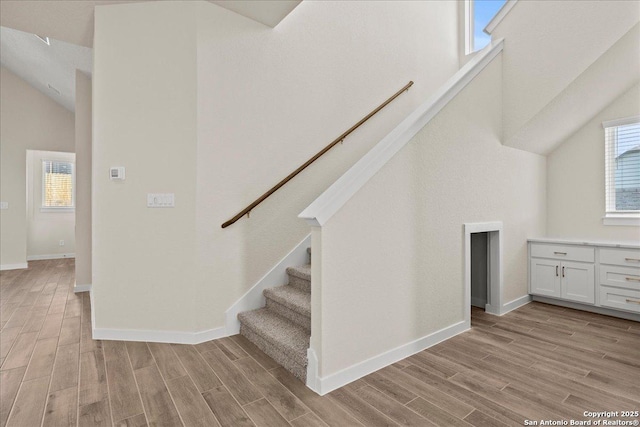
50, 205
483, 268
480, 269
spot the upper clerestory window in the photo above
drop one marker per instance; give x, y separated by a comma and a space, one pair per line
478, 13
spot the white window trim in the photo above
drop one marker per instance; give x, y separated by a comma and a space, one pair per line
624, 220
618, 218
58, 209
468, 27
469, 24
504, 10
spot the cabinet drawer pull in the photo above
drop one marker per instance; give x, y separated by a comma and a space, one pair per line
632, 259
632, 301
559, 253
632, 279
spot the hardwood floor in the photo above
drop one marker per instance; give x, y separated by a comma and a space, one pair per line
539, 362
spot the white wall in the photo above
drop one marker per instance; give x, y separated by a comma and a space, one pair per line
392, 257
46, 228
217, 110
548, 44
83, 178
575, 179
269, 99
144, 118
30, 120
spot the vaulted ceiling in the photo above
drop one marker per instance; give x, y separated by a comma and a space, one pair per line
69, 26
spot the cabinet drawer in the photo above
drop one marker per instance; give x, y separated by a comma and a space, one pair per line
624, 257
620, 277
561, 252
623, 299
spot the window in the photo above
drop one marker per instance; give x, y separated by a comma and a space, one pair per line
622, 168
57, 185
478, 14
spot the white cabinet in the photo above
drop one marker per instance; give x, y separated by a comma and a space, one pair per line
545, 278
578, 282
562, 271
620, 279
603, 275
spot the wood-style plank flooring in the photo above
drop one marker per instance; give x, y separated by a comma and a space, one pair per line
538, 362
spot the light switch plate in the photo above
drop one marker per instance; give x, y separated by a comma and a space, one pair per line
161, 200
4, 205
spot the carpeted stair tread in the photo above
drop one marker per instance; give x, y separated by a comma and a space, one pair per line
297, 369
290, 339
302, 271
292, 298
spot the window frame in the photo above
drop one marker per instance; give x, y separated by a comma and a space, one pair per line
57, 209
612, 216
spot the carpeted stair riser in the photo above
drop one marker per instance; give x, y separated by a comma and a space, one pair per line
285, 336
297, 369
295, 317
302, 284
282, 328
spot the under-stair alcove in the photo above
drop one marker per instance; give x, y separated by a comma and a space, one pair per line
483, 267
479, 269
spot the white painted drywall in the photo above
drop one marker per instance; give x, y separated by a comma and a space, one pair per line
269, 99
264, 100
144, 119
548, 44
575, 179
611, 75
30, 120
392, 257
45, 229
83, 178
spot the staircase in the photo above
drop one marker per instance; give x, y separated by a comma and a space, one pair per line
282, 328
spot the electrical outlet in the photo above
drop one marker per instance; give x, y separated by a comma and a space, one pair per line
61, 242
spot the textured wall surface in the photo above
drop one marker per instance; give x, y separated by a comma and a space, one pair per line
83, 179
392, 257
30, 121
575, 179
269, 99
144, 118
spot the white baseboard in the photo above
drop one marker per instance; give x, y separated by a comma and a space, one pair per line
329, 383
173, 337
49, 256
81, 288
253, 298
19, 266
516, 303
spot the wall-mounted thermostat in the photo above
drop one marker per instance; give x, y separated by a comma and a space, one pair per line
116, 173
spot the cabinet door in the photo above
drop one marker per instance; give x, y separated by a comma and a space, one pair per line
545, 277
578, 282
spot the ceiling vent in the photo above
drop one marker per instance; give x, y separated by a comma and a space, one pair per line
44, 40
53, 88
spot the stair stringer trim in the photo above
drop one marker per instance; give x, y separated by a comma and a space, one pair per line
324, 385
277, 276
339, 193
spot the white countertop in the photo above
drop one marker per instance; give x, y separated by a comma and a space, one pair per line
604, 243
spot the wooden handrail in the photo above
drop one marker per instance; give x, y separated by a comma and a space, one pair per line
341, 138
